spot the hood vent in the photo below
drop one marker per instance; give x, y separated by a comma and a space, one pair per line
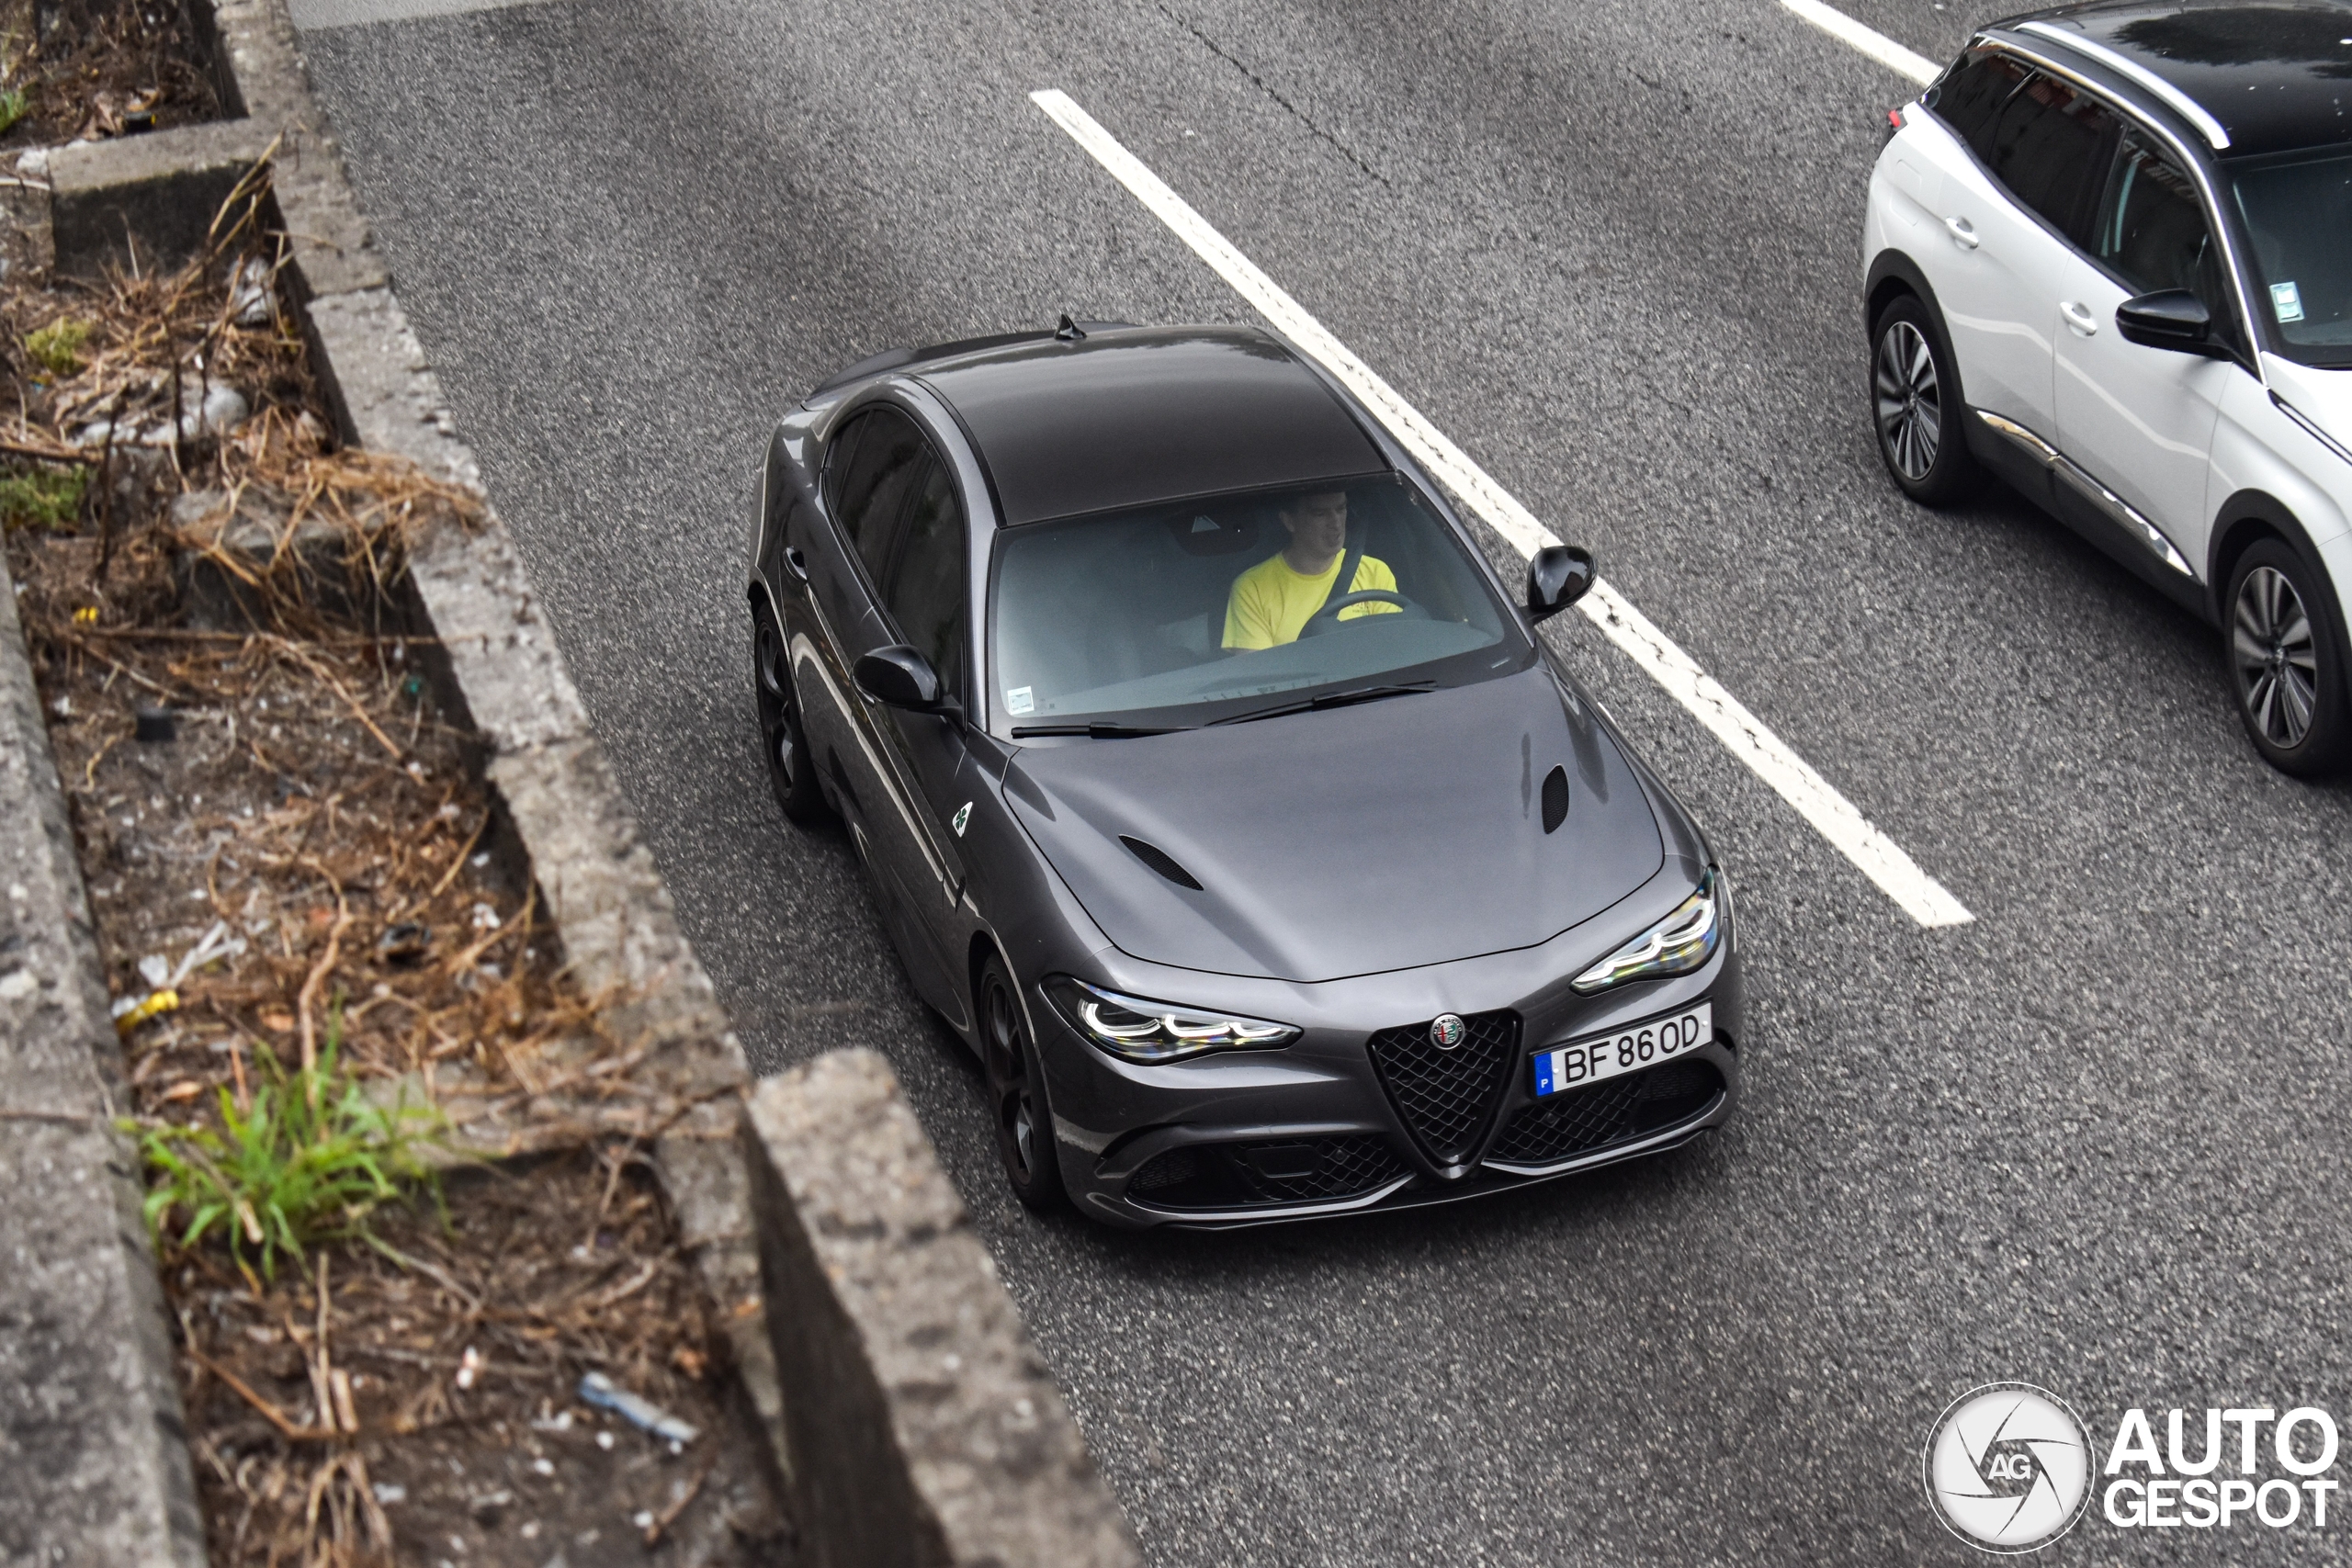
1161, 861
1555, 798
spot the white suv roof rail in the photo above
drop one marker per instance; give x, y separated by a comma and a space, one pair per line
2174, 98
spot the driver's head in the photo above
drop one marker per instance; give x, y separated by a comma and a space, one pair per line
1317, 523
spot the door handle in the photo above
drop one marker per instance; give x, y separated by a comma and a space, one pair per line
1963, 233
2080, 317
796, 563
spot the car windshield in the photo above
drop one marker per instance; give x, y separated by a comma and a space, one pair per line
2298, 212
1204, 610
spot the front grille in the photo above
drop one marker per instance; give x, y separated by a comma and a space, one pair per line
1447, 1097
1614, 1110
1242, 1176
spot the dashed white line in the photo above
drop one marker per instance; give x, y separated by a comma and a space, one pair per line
1745, 736
1871, 41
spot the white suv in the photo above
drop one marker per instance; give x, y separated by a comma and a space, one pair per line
2109, 259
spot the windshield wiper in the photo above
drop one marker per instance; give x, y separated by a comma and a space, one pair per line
1330, 700
1096, 731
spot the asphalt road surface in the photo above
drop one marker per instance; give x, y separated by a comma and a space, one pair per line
2093, 1140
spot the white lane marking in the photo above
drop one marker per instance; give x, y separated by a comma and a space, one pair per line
316, 15
1745, 736
1871, 41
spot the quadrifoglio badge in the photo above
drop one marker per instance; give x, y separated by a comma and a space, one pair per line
2010, 1468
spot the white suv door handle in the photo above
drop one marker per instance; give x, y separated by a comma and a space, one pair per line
1963, 233
2080, 317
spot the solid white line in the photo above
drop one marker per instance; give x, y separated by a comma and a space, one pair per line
316, 15
1831, 814
1871, 41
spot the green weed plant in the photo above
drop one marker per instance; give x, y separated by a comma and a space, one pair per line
58, 346
12, 104
42, 499
308, 1163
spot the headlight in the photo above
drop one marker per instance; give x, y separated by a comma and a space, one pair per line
1676, 946
1136, 1031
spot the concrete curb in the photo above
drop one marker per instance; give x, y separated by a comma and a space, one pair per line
499, 675
924, 1424
93, 1438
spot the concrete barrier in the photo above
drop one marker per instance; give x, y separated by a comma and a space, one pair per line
145, 201
498, 674
923, 1426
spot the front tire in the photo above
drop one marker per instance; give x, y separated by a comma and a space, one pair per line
2286, 666
1915, 406
1016, 1089
792, 772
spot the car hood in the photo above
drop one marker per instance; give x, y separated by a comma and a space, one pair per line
1380, 836
2323, 396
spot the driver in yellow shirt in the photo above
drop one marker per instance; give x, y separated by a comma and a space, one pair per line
1274, 600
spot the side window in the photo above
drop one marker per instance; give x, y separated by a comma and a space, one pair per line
841, 452
926, 593
2050, 145
2151, 232
1972, 94
885, 462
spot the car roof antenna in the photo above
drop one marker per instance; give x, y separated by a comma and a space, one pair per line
1070, 330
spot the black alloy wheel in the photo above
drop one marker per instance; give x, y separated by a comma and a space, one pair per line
1016, 1089
1915, 406
792, 773
2286, 665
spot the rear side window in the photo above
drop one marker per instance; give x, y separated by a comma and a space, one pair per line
2050, 145
1969, 98
885, 462
927, 586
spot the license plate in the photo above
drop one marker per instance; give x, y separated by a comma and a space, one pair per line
1629, 1050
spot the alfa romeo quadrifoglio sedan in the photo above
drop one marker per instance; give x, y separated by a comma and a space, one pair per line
1216, 793
2110, 256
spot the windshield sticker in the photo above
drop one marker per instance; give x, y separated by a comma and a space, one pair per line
1020, 700
2288, 301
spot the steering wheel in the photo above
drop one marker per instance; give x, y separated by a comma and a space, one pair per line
1328, 617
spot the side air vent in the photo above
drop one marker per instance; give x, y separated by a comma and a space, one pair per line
1161, 861
1237, 1176
1555, 798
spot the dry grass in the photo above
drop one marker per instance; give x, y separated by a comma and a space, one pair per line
116, 376
315, 827
101, 68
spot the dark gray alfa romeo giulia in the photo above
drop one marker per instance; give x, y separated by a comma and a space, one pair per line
1218, 794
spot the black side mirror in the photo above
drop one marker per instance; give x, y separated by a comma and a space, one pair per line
1557, 578
2170, 318
899, 677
